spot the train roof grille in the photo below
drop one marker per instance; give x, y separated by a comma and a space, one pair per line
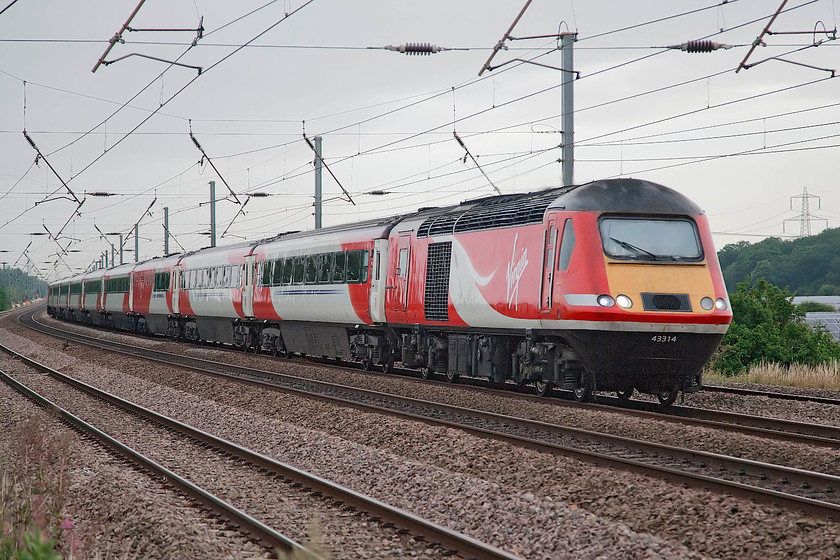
491, 213
437, 225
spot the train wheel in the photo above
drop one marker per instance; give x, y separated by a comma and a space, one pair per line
425, 373
451, 376
543, 388
582, 394
388, 365
367, 364
668, 396
585, 392
624, 394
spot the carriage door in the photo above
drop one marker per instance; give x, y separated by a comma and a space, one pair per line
131, 280
549, 258
378, 280
399, 291
248, 288
175, 286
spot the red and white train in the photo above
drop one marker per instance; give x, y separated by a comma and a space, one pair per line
612, 285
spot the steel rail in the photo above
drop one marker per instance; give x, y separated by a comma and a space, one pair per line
774, 428
433, 532
803, 432
770, 394
265, 534
785, 475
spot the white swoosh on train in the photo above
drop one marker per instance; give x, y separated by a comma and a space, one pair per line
463, 258
469, 302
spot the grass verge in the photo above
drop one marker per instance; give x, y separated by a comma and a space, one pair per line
823, 376
34, 478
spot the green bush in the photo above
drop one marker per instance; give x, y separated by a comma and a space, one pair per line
768, 327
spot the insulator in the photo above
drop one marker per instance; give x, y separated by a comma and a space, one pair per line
421, 48
30, 140
700, 46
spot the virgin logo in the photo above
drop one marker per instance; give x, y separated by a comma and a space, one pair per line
514, 274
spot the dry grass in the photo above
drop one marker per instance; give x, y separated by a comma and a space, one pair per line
33, 487
824, 376
313, 550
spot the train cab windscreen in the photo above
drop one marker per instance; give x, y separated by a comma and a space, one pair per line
652, 239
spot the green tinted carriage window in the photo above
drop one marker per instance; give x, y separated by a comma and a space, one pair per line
311, 274
324, 268
288, 270
365, 265
300, 269
278, 273
265, 273
338, 268
354, 266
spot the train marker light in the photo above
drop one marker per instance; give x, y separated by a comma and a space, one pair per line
624, 301
605, 301
707, 303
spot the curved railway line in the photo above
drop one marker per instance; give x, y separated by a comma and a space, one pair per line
237, 457
774, 428
793, 489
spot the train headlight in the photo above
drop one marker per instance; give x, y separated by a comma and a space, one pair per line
624, 301
605, 301
721, 304
707, 303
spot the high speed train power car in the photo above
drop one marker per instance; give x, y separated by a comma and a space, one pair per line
613, 285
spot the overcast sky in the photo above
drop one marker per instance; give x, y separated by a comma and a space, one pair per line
742, 145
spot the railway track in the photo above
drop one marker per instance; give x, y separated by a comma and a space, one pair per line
180, 446
774, 428
771, 394
793, 489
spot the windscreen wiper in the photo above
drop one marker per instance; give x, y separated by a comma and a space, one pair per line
635, 249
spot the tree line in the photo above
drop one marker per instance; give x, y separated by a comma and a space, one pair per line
18, 286
805, 266
762, 279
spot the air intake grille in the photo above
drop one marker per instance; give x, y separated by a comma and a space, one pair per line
491, 213
436, 303
666, 302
